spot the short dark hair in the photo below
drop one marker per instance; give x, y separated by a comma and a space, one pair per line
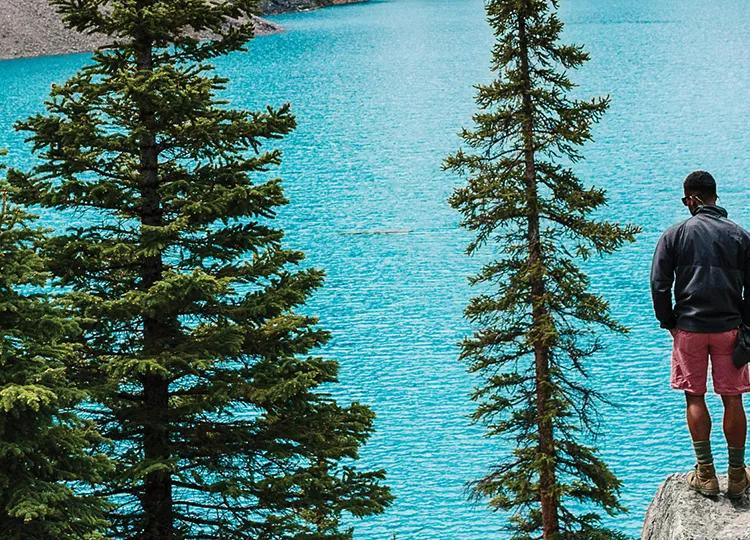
702, 183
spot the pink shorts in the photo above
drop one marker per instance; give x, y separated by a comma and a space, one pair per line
690, 355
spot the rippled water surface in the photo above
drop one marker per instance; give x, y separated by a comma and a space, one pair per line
381, 90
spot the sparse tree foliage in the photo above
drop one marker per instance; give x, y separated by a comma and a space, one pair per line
537, 318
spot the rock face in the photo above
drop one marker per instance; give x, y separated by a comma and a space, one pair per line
33, 28
678, 513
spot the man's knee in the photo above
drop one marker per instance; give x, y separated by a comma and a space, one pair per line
733, 402
695, 398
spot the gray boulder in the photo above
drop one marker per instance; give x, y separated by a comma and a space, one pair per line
678, 513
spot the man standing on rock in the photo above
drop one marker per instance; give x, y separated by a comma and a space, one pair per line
707, 259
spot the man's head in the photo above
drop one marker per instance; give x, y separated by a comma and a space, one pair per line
700, 189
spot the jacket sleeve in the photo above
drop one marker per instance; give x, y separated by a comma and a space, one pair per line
746, 284
662, 278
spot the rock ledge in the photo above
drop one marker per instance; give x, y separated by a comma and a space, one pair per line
678, 513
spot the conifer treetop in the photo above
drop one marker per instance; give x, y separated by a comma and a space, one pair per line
181, 23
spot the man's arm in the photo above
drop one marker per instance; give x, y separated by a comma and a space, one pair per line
662, 278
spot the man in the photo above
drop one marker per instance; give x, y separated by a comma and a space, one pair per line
707, 259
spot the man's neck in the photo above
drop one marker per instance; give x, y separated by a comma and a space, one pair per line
711, 209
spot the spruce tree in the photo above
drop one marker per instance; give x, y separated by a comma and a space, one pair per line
48, 465
537, 319
199, 362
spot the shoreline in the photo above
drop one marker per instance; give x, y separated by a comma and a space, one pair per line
32, 28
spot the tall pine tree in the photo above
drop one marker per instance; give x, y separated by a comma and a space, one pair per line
536, 315
199, 365
48, 465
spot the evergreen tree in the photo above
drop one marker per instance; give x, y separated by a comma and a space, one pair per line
199, 363
47, 465
536, 315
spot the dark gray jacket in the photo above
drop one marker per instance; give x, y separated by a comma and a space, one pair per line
707, 258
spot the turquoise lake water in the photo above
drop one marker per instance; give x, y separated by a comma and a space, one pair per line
380, 91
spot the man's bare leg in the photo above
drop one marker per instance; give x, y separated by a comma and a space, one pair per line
698, 418
699, 423
735, 429
735, 422
703, 479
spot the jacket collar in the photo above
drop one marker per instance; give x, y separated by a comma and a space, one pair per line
712, 210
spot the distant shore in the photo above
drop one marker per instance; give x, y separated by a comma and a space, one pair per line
32, 27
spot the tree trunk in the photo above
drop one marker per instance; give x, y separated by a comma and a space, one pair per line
157, 496
540, 315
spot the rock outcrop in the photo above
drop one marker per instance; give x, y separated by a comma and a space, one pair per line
678, 513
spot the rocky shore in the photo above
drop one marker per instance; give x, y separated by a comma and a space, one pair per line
270, 7
33, 28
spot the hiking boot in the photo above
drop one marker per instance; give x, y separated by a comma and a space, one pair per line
738, 482
703, 480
